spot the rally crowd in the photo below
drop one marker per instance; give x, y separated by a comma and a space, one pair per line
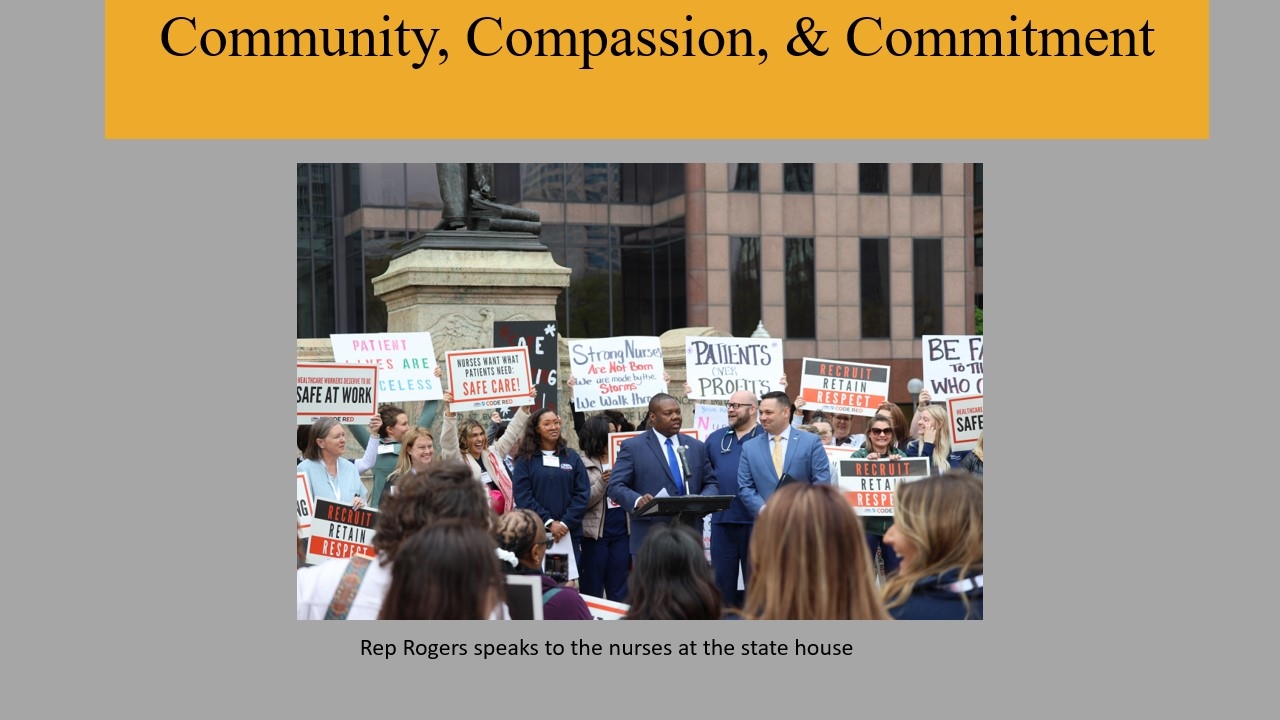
455, 519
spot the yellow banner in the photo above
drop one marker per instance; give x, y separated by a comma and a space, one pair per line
400, 69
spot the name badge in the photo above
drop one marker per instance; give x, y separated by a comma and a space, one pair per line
387, 449
550, 461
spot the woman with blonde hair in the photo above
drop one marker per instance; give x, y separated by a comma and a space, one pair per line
973, 461
417, 450
809, 559
937, 534
935, 441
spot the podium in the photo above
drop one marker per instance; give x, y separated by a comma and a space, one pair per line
684, 508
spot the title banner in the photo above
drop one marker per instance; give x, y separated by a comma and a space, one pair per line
233, 69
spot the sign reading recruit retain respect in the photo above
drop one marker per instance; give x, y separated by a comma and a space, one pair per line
869, 484
843, 387
718, 367
488, 379
339, 531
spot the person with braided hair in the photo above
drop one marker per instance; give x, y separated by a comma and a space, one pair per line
522, 545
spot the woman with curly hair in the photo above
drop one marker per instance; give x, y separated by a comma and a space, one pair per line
522, 545
937, 534
550, 479
672, 579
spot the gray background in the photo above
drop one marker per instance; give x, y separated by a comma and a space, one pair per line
149, 289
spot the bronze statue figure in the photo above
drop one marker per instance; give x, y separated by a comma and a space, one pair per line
470, 204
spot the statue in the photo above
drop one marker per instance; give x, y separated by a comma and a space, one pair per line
469, 202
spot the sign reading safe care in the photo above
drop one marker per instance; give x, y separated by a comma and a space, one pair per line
488, 379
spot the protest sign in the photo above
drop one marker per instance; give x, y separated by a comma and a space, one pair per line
306, 506
836, 453
338, 531
405, 361
539, 336
602, 609
966, 421
346, 393
846, 388
707, 418
488, 379
869, 484
615, 372
952, 365
615, 440
717, 367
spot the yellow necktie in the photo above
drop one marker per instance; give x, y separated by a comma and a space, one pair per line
777, 455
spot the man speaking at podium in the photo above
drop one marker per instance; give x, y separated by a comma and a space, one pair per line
660, 459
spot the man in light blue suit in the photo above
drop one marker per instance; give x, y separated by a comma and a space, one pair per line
645, 466
780, 452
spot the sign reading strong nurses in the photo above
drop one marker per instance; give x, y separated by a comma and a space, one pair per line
847, 388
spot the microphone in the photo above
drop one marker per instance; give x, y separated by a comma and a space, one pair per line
684, 464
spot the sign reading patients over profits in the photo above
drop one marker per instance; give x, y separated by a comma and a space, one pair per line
346, 393
717, 367
843, 387
405, 361
616, 372
489, 379
952, 365
869, 484
339, 531
966, 421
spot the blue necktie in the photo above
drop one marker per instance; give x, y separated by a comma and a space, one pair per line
675, 468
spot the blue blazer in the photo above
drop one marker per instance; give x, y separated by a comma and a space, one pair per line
641, 468
805, 460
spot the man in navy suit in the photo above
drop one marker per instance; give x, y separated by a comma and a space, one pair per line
659, 459
780, 452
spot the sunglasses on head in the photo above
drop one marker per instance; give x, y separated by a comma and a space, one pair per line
880, 431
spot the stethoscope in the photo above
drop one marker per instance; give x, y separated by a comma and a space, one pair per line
726, 442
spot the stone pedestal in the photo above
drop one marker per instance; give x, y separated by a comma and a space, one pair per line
457, 295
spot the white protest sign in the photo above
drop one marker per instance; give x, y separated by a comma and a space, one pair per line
602, 609
952, 365
615, 372
339, 531
346, 393
405, 361
717, 367
869, 484
615, 441
836, 453
708, 418
966, 421
490, 378
840, 387
306, 506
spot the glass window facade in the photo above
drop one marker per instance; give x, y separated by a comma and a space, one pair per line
873, 178
744, 176
316, 287
744, 285
874, 276
800, 287
797, 177
926, 260
926, 178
